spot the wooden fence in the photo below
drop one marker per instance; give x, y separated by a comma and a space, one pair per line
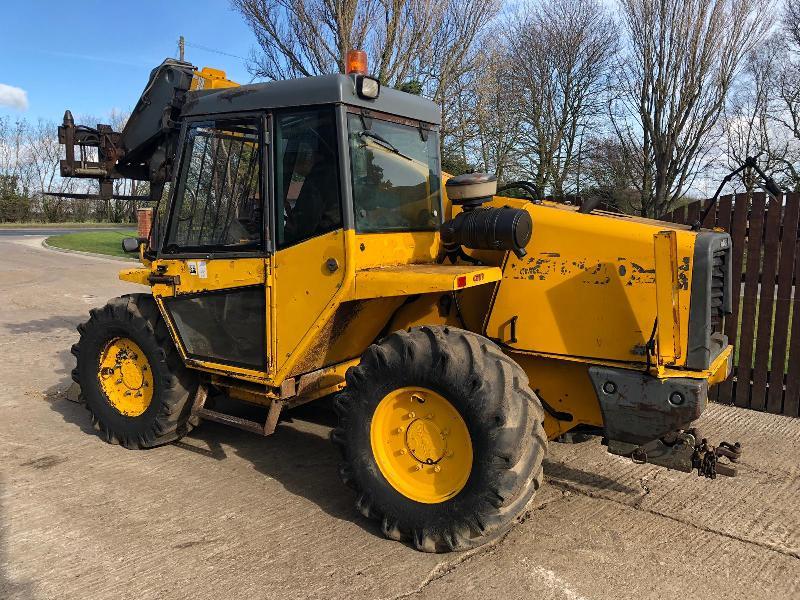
765, 325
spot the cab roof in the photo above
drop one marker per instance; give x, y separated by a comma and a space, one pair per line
308, 91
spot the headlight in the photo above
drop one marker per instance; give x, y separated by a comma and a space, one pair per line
368, 87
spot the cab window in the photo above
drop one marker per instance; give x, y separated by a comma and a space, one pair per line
396, 173
307, 197
218, 205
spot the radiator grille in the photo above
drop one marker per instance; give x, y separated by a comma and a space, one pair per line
718, 272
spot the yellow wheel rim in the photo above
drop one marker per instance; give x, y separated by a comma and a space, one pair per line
421, 444
125, 376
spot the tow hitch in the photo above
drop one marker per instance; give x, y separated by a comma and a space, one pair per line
683, 451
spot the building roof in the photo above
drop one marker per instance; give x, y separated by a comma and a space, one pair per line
308, 91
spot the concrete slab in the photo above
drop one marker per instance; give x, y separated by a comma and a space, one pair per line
226, 514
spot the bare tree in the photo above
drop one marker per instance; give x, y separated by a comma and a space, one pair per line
562, 51
747, 122
682, 58
425, 40
791, 21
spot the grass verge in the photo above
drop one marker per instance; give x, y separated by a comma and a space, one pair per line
100, 242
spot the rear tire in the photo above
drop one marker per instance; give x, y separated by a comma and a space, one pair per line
134, 318
502, 415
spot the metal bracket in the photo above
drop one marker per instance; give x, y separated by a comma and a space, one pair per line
199, 411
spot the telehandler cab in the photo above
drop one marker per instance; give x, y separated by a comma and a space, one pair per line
310, 245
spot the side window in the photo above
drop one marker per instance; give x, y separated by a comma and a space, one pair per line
307, 201
218, 206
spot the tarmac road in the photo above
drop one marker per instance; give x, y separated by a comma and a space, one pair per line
227, 514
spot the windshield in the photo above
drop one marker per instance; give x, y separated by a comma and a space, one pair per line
396, 174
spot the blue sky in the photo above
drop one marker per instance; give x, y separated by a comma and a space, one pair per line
94, 56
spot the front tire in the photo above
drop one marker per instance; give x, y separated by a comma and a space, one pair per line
427, 480
132, 380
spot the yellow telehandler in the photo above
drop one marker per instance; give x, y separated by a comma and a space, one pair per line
309, 245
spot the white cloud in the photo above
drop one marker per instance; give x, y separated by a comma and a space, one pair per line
13, 97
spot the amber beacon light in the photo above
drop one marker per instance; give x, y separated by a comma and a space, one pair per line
356, 62
367, 87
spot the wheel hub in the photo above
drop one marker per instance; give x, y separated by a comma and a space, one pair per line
421, 444
125, 376
425, 441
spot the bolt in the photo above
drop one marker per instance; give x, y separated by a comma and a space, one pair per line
609, 387
128, 393
445, 432
399, 430
402, 451
437, 468
119, 381
449, 454
430, 416
676, 398
411, 415
418, 468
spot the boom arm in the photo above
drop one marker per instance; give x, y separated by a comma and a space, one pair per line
145, 147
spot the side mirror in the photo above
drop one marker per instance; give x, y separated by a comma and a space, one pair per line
132, 244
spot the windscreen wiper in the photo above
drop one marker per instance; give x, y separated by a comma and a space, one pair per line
384, 142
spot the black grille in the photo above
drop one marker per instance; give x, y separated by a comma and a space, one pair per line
718, 271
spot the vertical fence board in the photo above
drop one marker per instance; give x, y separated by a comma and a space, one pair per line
738, 231
766, 302
791, 403
711, 218
693, 213
748, 306
783, 305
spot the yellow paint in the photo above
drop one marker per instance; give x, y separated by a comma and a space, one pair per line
125, 376
307, 292
587, 286
208, 78
137, 275
406, 280
220, 274
421, 444
667, 306
382, 249
566, 387
425, 310
326, 381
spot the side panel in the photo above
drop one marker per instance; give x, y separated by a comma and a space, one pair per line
307, 279
586, 287
565, 390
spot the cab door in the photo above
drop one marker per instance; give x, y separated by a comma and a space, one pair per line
214, 259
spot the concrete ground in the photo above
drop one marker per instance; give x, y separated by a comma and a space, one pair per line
227, 514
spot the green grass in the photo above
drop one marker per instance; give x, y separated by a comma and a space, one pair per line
755, 334
82, 225
100, 242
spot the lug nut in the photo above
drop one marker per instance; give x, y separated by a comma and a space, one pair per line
437, 468
399, 430
411, 415
402, 451
418, 468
